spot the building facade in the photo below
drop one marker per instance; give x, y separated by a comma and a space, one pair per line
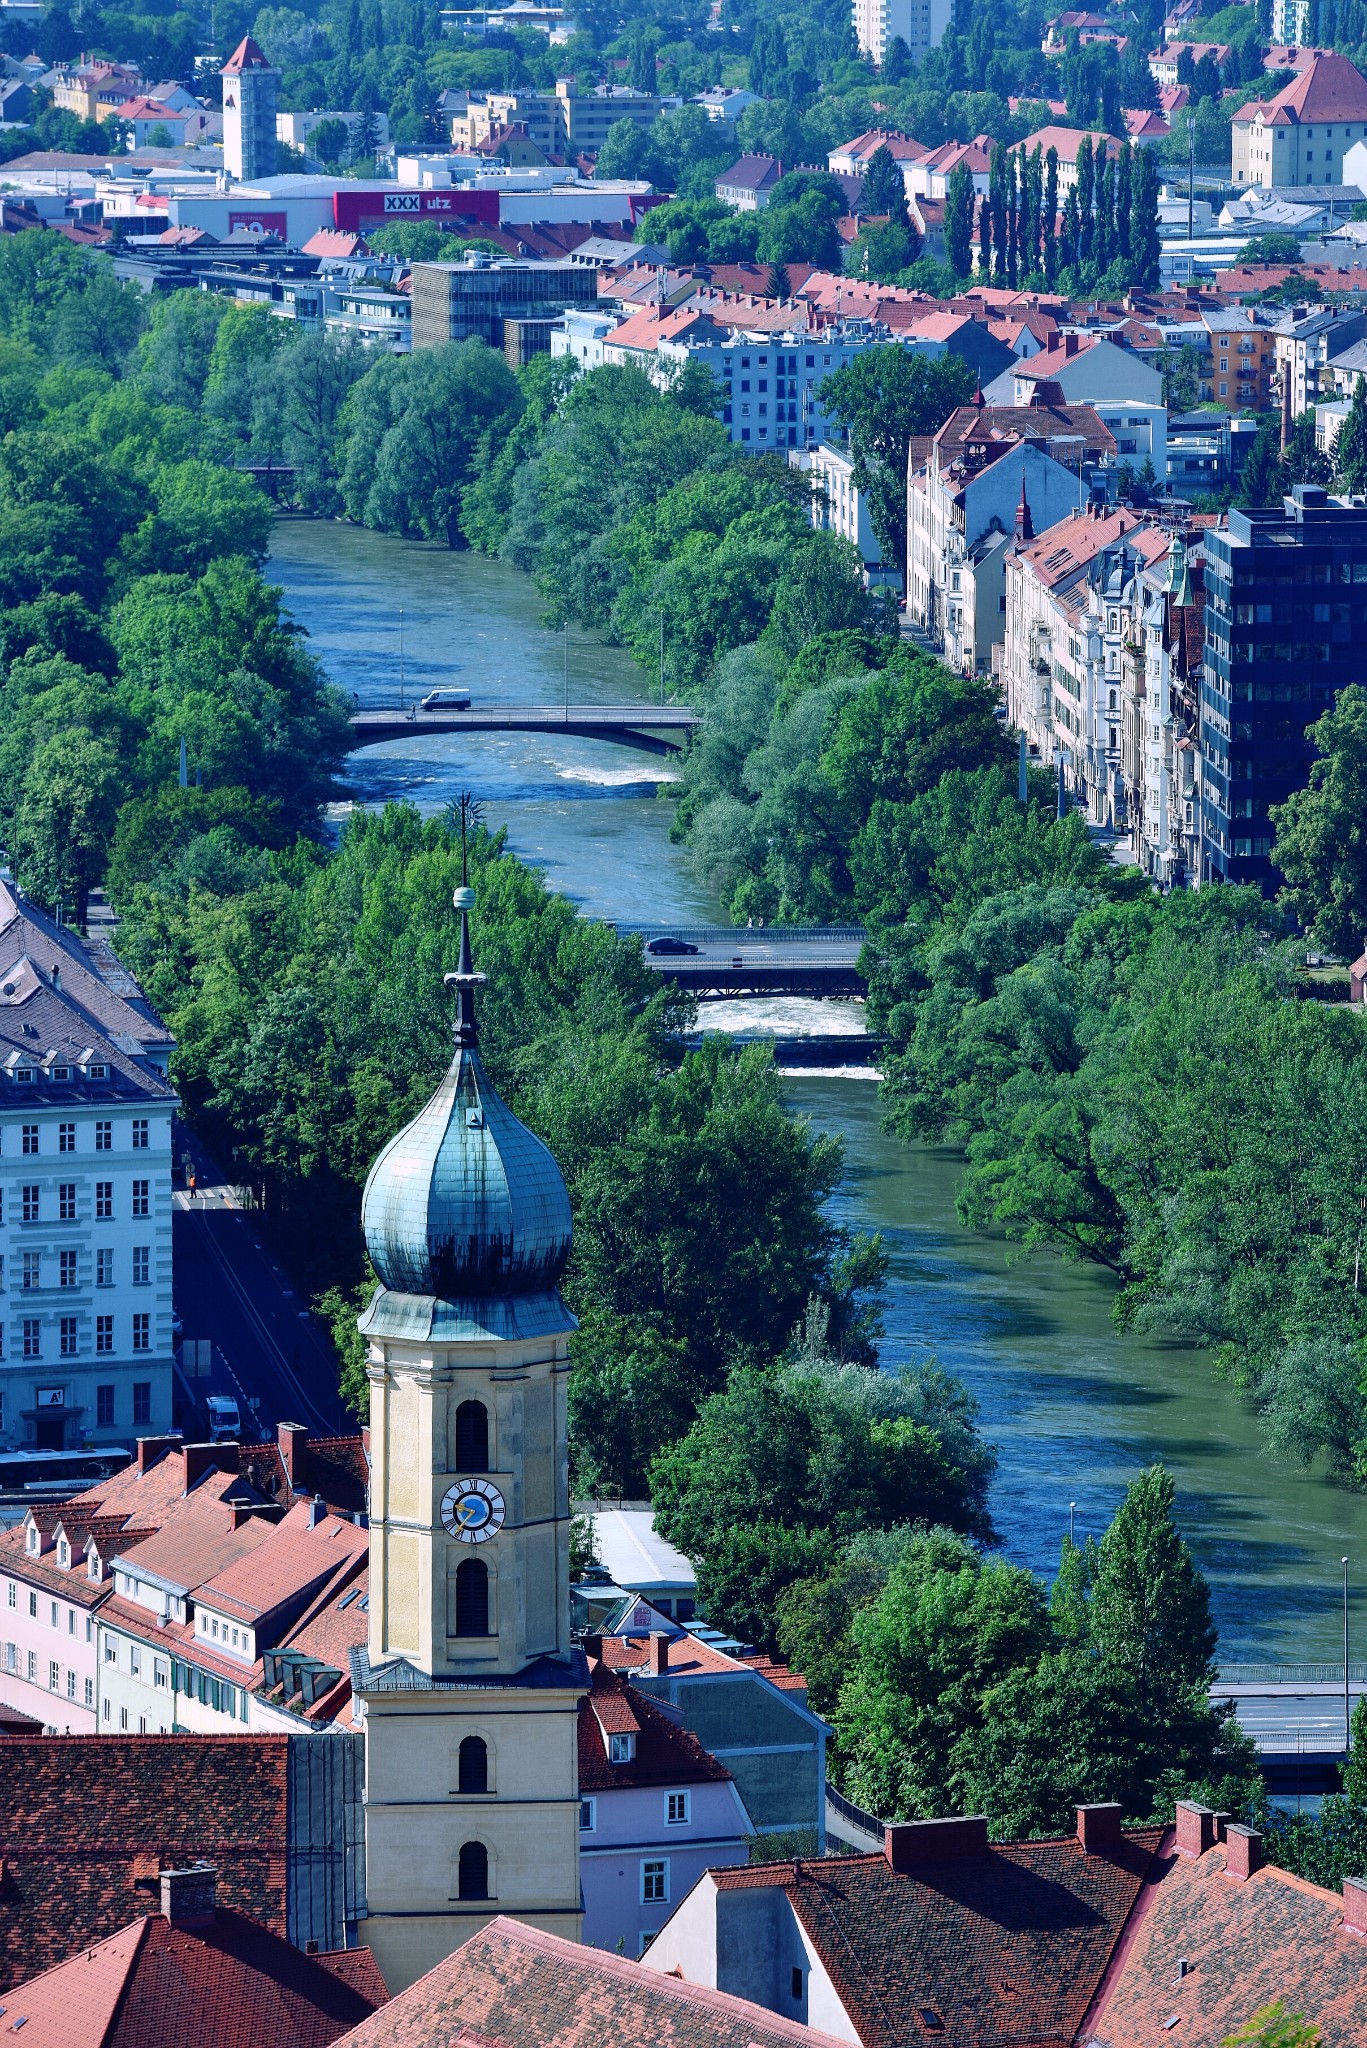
85, 1193
841, 507
471, 300
249, 83
919, 24
1301, 135
470, 1681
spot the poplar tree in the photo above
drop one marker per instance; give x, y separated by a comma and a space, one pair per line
1144, 244
1103, 232
985, 235
1085, 197
1071, 237
1050, 224
959, 221
1012, 219
1124, 201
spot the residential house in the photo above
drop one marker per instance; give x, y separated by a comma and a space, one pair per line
565, 123
841, 507
943, 1934
225, 1978
748, 1712
964, 491
88, 1823
851, 159
655, 1812
1243, 359
1061, 660
749, 182
93, 92
724, 105
523, 1988
918, 23
1304, 339
1162, 768
928, 175
1122, 387
1164, 61
197, 1608
85, 1191
1067, 142
1301, 135
144, 116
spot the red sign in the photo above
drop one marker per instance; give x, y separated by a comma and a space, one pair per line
355, 210
259, 223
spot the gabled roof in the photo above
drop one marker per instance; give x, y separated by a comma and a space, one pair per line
224, 1985
904, 148
1003, 1946
752, 173
1066, 548
87, 1821
1272, 1936
1329, 89
293, 1561
197, 1540
1067, 142
248, 56
665, 1754
515, 1986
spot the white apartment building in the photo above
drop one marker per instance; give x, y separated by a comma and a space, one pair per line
919, 23
841, 507
1302, 134
85, 1193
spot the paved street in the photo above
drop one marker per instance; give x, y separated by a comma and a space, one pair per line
275, 1359
777, 959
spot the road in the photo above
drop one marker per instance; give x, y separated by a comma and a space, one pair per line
659, 729
1295, 1716
269, 1353
772, 960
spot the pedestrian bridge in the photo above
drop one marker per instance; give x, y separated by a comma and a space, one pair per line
650, 729
767, 960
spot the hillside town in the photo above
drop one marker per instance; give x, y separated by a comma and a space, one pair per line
683, 964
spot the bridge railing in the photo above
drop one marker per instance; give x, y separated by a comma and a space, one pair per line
868, 1823
1288, 1674
781, 934
1298, 1741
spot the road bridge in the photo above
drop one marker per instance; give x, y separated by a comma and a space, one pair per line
1295, 1715
773, 960
650, 729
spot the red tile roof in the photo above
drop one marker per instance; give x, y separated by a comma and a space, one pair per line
197, 1541
1067, 141
1006, 1947
1329, 89
294, 1560
86, 1822
248, 56
230, 1984
665, 1754
517, 1987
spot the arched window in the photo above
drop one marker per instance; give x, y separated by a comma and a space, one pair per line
474, 1765
472, 1437
474, 1871
472, 1598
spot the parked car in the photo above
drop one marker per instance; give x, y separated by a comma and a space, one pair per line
669, 945
446, 700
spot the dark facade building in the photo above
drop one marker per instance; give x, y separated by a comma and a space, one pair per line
1285, 625
473, 300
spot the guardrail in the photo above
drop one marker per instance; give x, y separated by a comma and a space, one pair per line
1322, 1742
1289, 1674
867, 1823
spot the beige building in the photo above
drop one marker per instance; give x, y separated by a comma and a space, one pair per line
470, 1681
1301, 136
563, 123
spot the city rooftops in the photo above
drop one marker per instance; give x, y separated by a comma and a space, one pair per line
1330, 89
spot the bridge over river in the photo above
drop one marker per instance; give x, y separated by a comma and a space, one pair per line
650, 729
773, 960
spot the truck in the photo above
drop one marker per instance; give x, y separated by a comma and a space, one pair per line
225, 1419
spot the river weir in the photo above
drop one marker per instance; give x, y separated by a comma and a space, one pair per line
1074, 1407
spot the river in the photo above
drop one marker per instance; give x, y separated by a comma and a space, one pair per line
1074, 1407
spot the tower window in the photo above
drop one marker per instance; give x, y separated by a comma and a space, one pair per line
474, 1871
472, 1437
472, 1598
474, 1764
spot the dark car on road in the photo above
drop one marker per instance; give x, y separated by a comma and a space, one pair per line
669, 945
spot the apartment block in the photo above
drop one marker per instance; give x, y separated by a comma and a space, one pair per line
473, 299
919, 24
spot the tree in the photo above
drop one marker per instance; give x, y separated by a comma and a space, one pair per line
884, 189
778, 284
64, 824
330, 142
1350, 445
1321, 842
880, 400
959, 221
1150, 1604
1270, 248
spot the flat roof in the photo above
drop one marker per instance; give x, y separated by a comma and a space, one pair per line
628, 1546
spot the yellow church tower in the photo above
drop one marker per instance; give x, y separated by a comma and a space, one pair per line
470, 1681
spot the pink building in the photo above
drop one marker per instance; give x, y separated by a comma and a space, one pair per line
655, 1811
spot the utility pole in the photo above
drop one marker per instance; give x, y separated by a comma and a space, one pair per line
1191, 177
1022, 785
1347, 1709
1072, 1521
567, 671
401, 696
662, 657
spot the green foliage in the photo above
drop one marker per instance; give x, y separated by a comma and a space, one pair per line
1320, 846
1272, 2026
880, 400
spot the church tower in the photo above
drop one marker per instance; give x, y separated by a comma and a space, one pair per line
249, 82
469, 1680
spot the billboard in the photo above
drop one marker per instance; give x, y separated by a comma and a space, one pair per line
356, 209
260, 224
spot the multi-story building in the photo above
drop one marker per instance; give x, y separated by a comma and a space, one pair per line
94, 92
565, 123
1166, 653
1165, 60
841, 507
964, 492
918, 23
1243, 359
1304, 341
249, 83
1285, 623
1124, 389
85, 1192
1301, 134
472, 300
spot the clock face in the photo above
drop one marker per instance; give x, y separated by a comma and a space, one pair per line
473, 1510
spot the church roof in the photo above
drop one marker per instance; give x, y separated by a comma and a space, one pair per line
464, 1204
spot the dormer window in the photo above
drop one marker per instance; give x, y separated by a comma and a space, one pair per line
64, 1552
98, 1071
23, 1073
33, 1541
621, 1749
61, 1073
93, 1566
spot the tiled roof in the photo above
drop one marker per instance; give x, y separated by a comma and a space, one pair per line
1329, 89
86, 1822
752, 174
1246, 1944
246, 57
292, 1561
1005, 1948
1067, 141
1071, 543
984, 425
687, 1656
665, 1754
197, 1540
517, 1987
231, 1984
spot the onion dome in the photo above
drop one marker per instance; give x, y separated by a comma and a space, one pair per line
465, 1205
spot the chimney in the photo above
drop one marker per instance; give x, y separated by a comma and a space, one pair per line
1243, 1851
1069, 345
317, 1511
189, 1898
152, 1448
290, 1438
593, 1646
1098, 1828
911, 1845
659, 1654
202, 1458
1355, 1905
1195, 1828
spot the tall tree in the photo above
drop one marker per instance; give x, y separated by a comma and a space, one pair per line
1350, 448
1150, 1603
880, 400
985, 235
1086, 197
1321, 843
959, 221
1144, 243
885, 188
1050, 236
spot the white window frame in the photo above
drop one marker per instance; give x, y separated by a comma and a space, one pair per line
654, 1871
621, 1749
678, 1809
588, 1816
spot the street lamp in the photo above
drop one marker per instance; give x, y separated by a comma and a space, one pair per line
1072, 1521
1347, 1712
